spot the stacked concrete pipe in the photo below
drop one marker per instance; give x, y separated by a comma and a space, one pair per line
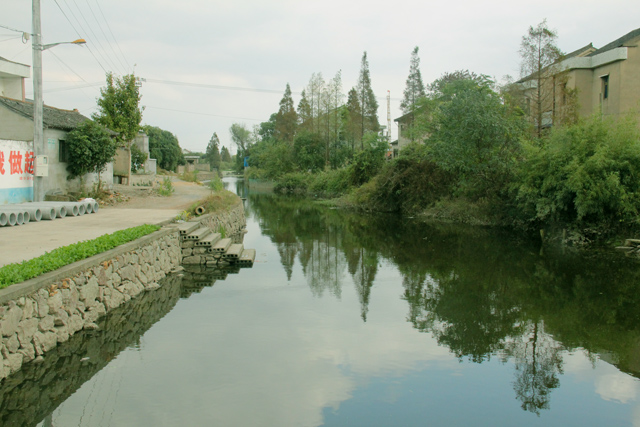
49, 212
30, 213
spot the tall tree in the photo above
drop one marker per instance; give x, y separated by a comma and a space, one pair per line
243, 138
305, 114
90, 149
368, 102
415, 87
353, 125
540, 56
119, 109
286, 119
225, 155
213, 153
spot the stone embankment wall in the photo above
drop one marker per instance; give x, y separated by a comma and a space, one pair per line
38, 314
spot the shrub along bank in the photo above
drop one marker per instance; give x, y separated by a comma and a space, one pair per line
482, 164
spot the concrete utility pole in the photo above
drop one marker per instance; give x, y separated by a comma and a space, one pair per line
38, 127
38, 102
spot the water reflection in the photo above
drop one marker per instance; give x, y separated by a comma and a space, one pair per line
480, 293
352, 319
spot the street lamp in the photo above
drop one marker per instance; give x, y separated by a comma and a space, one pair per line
38, 102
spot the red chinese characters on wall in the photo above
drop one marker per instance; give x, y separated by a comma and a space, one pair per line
15, 163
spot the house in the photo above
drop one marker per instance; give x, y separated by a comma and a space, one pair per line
16, 151
604, 81
12, 79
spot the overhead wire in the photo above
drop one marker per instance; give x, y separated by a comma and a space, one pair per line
112, 35
96, 39
105, 37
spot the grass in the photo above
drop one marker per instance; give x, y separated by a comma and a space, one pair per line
217, 202
57, 258
166, 188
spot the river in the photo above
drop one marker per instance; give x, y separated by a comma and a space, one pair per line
351, 319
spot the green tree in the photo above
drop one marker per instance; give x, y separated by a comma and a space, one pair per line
119, 109
475, 136
243, 138
415, 88
138, 157
540, 55
90, 149
225, 155
305, 114
353, 125
367, 99
286, 119
164, 147
213, 154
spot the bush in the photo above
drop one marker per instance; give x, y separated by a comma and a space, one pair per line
166, 188
585, 176
295, 182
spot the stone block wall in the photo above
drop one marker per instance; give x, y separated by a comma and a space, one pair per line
38, 314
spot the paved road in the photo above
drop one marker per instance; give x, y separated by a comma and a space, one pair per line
35, 238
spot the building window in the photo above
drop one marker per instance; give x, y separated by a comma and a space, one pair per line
63, 152
605, 86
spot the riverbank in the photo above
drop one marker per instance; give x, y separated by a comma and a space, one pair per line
39, 313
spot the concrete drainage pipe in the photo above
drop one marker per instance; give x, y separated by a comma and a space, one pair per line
200, 210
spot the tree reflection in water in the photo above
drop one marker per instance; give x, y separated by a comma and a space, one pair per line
479, 292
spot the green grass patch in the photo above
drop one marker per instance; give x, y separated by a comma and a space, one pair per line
220, 201
57, 258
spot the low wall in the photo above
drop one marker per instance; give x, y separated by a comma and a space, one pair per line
38, 314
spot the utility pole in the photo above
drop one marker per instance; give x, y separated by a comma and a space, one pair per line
38, 131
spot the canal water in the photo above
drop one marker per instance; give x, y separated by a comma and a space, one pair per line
351, 319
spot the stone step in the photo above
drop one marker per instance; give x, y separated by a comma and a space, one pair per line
247, 258
199, 234
233, 252
221, 246
209, 240
632, 242
187, 227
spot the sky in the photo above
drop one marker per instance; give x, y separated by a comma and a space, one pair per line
209, 64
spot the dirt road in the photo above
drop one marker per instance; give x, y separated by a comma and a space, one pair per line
35, 238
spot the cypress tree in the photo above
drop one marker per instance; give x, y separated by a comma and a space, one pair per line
415, 88
368, 102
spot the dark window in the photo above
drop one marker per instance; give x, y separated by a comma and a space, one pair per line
63, 153
605, 87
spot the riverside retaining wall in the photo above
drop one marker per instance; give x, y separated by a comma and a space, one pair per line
38, 314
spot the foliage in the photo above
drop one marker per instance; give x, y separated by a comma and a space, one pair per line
216, 184
166, 188
367, 99
90, 148
190, 176
164, 147
585, 176
243, 138
409, 183
415, 88
286, 121
57, 258
217, 202
540, 56
213, 154
367, 163
474, 136
294, 182
118, 107
138, 157
225, 156
272, 157
308, 152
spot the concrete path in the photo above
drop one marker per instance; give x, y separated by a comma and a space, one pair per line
31, 240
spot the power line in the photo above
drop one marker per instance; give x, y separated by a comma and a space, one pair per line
105, 36
111, 32
202, 114
74, 29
